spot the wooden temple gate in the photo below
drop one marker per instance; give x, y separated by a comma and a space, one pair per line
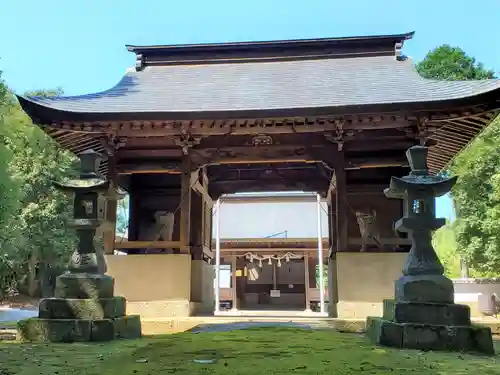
192, 123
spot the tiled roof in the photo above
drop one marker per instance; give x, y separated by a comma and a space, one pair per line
337, 83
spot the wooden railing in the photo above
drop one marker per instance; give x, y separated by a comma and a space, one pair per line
148, 245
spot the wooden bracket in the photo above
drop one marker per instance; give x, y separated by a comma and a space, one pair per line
112, 143
186, 141
340, 135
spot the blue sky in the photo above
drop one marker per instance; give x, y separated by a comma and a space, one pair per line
80, 45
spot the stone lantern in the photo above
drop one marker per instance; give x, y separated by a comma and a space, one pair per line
84, 307
423, 314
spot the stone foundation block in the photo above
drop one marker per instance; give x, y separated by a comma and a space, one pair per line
100, 308
430, 337
103, 330
427, 313
424, 288
84, 286
384, 332
54, 330
78, 330
128, 327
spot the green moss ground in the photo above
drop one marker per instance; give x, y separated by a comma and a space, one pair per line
254, 351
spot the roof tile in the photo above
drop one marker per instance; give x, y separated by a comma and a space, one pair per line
272, 85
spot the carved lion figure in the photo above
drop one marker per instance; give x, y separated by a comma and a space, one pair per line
368, 228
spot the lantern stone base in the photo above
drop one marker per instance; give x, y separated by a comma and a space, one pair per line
67, 308
84, 309
428, 326
84, 285
79, 330
425, 288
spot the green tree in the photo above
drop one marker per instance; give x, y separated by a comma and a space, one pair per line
444, 242
9, 202
477, 193
452, 64
43, 239
477, 200
122, 216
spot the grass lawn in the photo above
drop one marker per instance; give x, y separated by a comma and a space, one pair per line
253, 351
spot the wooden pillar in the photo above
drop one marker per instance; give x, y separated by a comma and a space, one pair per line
196, 231
207, 212
233, 281
337, 215
208, 224
341, 205
240, 281
133, 212
185, 222
109, 235
306, 282
313, 262
275, 281
111, 206
333, 295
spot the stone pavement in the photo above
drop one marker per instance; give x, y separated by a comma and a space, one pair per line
221, 327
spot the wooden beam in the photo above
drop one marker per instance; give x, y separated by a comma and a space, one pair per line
235, 199
316, 156
185, 204
272, 242
148, 245
235, 186
148, 167
386, 143
137, 129
149, 153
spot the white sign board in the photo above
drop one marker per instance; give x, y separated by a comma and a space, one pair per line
275, 293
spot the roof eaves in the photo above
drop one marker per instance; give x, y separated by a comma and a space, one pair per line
44, 114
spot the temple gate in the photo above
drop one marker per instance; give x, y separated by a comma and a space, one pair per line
190, 124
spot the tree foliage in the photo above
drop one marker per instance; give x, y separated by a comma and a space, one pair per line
444, 242
452, 64
8, 197
36, 240
477, 201
476, 195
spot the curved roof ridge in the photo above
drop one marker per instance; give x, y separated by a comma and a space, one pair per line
141, 48
60, 98
276, 50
